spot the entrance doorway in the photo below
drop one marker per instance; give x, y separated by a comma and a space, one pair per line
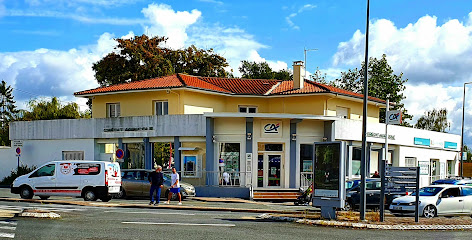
269, 170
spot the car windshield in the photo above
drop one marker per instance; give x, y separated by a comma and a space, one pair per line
429, 191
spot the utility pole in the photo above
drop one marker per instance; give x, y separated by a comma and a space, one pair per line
307, 50
462, 133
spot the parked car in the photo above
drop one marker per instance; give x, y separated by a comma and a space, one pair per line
87, 179
135, 183
373, 187
436, 200
453, 181
352, 184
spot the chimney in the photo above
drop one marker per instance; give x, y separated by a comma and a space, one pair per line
298, 75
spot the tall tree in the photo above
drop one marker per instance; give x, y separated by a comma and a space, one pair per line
434, 120
262, 70
383, 84
142, 57
8, 112
48, 110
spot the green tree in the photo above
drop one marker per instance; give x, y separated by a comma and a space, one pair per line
262, 70
383, 84
434, 120
142, 57
48, 110
8, 112
319, 77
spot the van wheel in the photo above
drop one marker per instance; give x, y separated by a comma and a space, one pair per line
89, 195
44, 197
26, 192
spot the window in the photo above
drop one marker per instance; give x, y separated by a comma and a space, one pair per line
247, 109
466, 191
342, 112
410, 162
306, 158
273, 147
356, 161
131, 175
190, 166
228, 163
44, 171
72, 155
113, 110
450, 167
451, 192
162, 108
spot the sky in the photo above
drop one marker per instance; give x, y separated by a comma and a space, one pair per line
48, 46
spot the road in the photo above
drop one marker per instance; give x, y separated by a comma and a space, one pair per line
83, 222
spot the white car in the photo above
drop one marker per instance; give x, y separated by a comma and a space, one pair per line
436, 200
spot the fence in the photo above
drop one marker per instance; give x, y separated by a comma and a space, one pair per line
217, 178
306, 179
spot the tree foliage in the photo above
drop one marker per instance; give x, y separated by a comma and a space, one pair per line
22, 170
8, 112
48, 110
434, 120
262, 70
383, 84
142, 57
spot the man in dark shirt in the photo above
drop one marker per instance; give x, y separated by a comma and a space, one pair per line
156, 179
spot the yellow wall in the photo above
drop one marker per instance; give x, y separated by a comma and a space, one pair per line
192, 102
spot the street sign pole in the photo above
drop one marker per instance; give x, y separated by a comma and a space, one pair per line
417, 202
382, 190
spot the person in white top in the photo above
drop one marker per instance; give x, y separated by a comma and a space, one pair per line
175, 186
226, 178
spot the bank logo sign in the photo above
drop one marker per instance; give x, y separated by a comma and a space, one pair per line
272, 128
394, 117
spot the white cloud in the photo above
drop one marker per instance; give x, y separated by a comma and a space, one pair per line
424, 51
45, 72
289, 18
172, 24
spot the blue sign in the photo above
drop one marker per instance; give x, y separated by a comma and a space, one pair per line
422, 141
119, 153
450, 145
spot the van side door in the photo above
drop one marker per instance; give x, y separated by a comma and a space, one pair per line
67, 180
43, 180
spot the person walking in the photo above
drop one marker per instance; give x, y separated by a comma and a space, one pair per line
175, 186
156, 179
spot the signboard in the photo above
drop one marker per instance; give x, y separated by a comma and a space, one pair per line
17, 143
394, 117
400, 179
271, 129
119, 153
464, 156
18, 151
422, 141
450, 145
424, 168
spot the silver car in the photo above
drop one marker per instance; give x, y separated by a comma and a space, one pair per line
135, 183
436, 200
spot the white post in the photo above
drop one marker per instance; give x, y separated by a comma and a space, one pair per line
386, 131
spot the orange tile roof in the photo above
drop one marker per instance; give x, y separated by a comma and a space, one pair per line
231, 86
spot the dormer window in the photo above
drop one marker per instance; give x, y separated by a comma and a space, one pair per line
247, 109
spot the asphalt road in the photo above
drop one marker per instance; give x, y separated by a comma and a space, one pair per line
83, 222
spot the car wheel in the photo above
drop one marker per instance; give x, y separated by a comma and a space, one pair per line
89, 195
121, 193
348, 206
429, 211
26, 192
44, 197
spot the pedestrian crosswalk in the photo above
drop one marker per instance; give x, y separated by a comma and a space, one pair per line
7, 229
45, 208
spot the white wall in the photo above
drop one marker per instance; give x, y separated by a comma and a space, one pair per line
38, 152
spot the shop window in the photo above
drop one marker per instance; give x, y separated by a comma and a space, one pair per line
113, 110
356, 161
410, 162
306, 158
161, 108
72, 155
450, 167
190, 166
247, 109
228, 163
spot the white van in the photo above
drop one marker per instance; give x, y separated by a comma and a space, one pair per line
87, 179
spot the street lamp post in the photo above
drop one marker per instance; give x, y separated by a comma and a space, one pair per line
307, 50
462, 132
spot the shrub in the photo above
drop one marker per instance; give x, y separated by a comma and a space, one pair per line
22, 170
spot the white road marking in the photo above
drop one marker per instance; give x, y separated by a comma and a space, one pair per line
183, 224
7, 222
7, 235
157, 213
8, 228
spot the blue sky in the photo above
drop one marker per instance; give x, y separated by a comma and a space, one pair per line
48, 46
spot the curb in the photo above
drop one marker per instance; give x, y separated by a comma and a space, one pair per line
50, 215
176, 207
364, 225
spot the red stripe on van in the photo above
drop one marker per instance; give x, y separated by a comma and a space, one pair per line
57, 191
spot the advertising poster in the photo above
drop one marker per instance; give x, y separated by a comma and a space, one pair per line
327, 170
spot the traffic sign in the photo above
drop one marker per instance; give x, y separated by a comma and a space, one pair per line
119, 153
17, 143
18, 151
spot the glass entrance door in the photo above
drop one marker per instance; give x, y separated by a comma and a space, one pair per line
269, 170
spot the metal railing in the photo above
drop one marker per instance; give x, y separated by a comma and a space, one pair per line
217, 178
306, 179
